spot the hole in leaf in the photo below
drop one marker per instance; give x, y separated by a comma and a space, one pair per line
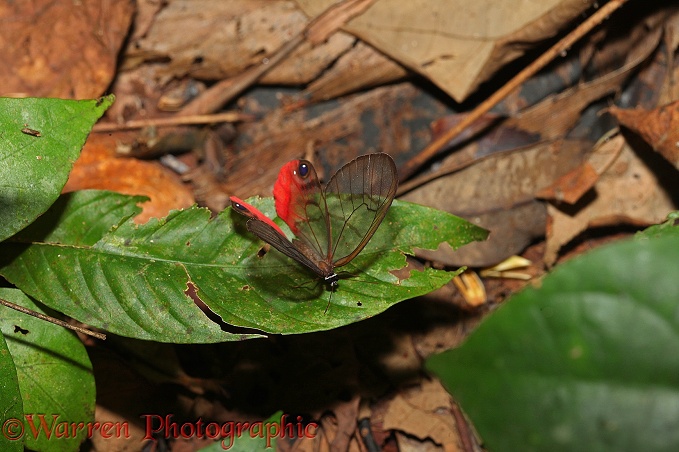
18, 329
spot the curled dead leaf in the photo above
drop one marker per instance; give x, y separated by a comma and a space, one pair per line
659, 128
98, 168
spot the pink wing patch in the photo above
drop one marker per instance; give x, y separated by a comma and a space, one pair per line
252, 212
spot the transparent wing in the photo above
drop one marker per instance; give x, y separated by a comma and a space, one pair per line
358, 197
262, 226
301, 204
265, 232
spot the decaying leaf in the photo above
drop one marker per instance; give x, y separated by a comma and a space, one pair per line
361, 67
343, 424
424, 412
628, 192
498, 194
571, 186
497, 186
659, 128
98, 168
61, 49
456, 44
222, 39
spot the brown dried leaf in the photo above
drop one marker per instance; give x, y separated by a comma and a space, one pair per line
498, 194
424, 412
669, 87
554, 116
144, 17
333, 18
575, 184
659, 128
361, 67
98, 168
456, 44
221, 40
308, 62
571, 186
344, 424
628, 192
61, 49
407, 444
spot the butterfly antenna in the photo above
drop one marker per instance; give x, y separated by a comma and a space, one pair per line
333, 286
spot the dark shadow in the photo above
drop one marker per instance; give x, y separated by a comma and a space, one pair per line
304, 373
37, 231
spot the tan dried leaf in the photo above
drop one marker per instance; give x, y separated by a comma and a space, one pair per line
456, 44
628, 192
424, 412
221, 39
360, 68
498, 194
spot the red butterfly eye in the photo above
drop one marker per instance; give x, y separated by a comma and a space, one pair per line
303, 170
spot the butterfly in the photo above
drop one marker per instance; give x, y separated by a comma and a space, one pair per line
331, 224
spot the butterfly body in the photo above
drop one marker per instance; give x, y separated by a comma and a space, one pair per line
331, 224
273, 235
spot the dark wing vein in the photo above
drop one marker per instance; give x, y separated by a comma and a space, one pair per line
282, 244
360, 193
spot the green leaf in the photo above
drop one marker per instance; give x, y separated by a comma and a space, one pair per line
58, 261
12, 438
669, 227
54, 373
34, 169
587, 361
134, 280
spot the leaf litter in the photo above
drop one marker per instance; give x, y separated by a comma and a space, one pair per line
534, 170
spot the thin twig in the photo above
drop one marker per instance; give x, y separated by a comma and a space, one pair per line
173, 121
79, 329
555, 51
